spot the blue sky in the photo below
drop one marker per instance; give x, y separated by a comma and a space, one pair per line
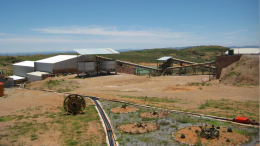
63, 25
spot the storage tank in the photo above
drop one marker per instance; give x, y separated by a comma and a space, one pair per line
1, 89
86, 66
107, 65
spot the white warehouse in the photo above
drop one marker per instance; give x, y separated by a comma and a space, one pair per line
56, 63
22, 68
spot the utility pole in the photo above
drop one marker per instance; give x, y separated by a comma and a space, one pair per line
238, 49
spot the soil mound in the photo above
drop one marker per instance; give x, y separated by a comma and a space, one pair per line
137, 128
154, 115
128, 109
191, 137
244, 71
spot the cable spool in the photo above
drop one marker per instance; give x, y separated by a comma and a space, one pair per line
74, 104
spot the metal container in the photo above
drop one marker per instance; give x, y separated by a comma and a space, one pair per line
86, 66
107, 65
1, 89
230, 52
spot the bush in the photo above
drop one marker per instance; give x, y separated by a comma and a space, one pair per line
163, 123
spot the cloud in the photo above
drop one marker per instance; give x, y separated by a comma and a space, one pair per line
5, 34
113, 31
33, 40
234, 32
89, 35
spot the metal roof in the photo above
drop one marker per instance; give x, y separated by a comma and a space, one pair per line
37, 73
245, 51
96, 51
164, 58
17, 77
57, 58
25, 63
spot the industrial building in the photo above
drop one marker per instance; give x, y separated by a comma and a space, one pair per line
56, 64
244, 51
21, 69
94, 65
85, 63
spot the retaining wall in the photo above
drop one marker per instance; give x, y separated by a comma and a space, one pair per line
224, 61
127, 70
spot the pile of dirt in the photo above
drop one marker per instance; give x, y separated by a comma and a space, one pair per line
154, 114
244, 71
136, 128
120, 110
191, 137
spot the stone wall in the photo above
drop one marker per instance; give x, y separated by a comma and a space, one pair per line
224, 61
127, 70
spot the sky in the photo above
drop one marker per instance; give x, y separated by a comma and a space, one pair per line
63, 25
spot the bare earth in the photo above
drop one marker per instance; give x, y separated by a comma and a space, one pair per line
238, 101
230, 100
35, 118
191, 137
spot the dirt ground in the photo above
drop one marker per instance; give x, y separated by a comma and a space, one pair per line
186, 93
128, 109
151, 115
30, 117
132, 128
191, 137
244, 71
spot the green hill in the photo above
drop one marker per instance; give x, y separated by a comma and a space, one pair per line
197, 54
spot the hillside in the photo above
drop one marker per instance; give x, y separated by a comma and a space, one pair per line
197, 54
243, 72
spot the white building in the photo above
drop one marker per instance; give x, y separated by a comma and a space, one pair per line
246, 51
22, 68
35, 76
59, 62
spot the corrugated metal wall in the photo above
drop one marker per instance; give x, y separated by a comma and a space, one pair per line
89, 66
22, 70
44, 67
107, 65
67, 64
49, 67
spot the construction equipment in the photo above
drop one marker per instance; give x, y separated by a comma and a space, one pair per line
74, 104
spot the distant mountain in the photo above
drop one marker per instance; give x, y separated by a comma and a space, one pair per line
127, 50
243, 46
179, 47
34, 53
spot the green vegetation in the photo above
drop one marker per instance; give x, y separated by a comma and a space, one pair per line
164, 123
151, 99
197, 54
231, 109
71, 128
234, 73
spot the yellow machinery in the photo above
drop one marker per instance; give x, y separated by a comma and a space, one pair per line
74, 104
